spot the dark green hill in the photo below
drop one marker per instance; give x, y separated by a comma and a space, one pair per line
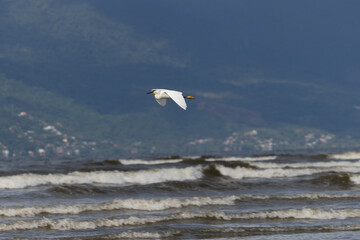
37, 122
34, 119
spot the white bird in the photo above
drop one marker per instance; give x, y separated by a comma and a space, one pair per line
161, 95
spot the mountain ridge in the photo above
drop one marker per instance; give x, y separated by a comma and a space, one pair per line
88, 66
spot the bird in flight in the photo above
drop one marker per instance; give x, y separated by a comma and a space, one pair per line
161, 95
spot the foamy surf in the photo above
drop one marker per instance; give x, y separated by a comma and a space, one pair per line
147, 162
222, 197
345, 156
102, 177
157, 175
157, 204
143, 235
278, 172
355, 178
246, 173
245, 159
133, 204
350, 164
256, 229
283, 214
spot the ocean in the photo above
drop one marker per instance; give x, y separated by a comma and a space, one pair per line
279, 196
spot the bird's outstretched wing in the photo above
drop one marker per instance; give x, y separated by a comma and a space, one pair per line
162, 102
177, 97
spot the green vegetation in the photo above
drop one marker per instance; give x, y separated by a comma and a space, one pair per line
34, 119
36, 122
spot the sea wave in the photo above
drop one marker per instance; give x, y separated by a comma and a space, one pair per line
129, 234
355, 178
333, 179
247, 173
157, 204
134, 204
283, 214
143, 235
102, 177
345, 156
350, 164
148, 162
293, 229
246, 159
256, 170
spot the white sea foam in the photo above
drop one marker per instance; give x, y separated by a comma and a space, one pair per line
316, 228
355, 178
156, 204
246, 159
136, 204
306, 213
345, 156
315, 196
147, 162
143, 235
192, 157
68, 224
351, 164
102, 177
243, 173
278, 172
130, 234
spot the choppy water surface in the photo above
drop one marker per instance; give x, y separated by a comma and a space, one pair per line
250, 197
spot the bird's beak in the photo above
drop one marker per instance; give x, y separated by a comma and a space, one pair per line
150, 92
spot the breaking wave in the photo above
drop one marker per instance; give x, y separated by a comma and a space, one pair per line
194, 159
142, 177
257, 169
134, 204
293, 229
147, 162
247, 173
285, 214
157, 204
330, 164
345, 156
246, 159
339, 179
355, 178
102, 177
143, 235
